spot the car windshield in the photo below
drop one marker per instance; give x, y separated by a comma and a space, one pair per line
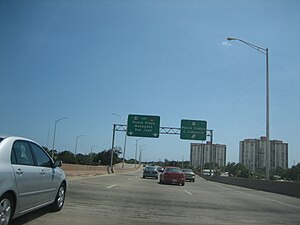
150, 168
173, 170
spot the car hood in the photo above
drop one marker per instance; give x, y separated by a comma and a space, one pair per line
189, 173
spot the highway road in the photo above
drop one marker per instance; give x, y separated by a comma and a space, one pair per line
127, 199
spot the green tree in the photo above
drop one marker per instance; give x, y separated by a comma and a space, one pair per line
242, 171
104, 157
237, 170
67, 157
83, 159
293, 173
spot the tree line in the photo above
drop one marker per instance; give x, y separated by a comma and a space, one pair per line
95, 159
239, 170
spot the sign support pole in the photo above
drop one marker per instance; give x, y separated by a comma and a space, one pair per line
112, 148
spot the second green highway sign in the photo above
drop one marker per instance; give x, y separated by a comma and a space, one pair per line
193, 129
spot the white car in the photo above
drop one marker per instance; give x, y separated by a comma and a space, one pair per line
29, 179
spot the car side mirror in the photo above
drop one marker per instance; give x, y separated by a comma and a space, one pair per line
57, 163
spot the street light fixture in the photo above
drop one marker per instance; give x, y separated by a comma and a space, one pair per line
264, 51
56, 121
77, 142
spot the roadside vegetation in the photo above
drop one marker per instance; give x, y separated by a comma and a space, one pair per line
94, 158
233, 169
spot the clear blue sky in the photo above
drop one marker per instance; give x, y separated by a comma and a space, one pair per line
86, 60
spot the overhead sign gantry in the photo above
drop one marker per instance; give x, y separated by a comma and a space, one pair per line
149, 126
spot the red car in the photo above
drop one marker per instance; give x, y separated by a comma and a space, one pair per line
172, 175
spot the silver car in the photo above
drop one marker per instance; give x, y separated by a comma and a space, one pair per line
29, 179
189, 175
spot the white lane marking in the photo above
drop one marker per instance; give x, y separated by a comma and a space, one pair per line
188, 192
111, 186
279, 202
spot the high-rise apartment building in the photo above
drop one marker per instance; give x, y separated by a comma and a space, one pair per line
253, 154
201, 154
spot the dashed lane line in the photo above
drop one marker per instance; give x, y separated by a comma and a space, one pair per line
111, 186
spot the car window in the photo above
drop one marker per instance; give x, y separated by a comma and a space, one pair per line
21, 154
173, 170
150, 168
42, 159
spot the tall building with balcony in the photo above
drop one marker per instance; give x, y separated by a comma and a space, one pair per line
253, 154
201, 154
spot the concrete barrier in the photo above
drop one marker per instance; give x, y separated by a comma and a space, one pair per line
87, 170
280, 187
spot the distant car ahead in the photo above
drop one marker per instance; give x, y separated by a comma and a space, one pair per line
150, 171
29, 179
172, 175
189, 175
160, 169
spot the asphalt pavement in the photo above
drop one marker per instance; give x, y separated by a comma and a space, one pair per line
128, 199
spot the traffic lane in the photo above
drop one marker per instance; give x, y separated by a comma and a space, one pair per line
281, 200
231, 191
203, 201
212, 204
129, 199
116, 199
246, 206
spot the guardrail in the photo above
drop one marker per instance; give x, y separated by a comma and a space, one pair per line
280, 187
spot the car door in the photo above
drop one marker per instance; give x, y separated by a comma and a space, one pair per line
26, 175
49, 182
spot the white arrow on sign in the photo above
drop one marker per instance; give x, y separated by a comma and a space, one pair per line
155, 134
130, 133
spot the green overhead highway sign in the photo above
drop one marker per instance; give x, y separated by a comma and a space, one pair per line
143, 126
193, 130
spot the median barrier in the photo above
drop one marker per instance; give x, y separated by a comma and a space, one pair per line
279, 187
87, 170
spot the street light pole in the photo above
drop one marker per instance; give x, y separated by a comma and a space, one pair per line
136, 148
77, 143
112, 148
92, 153
141, 149
264, 51
123, 162
56, 121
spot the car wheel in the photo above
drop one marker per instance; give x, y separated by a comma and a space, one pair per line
144, 177
183, 184
59, 199
6, 209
